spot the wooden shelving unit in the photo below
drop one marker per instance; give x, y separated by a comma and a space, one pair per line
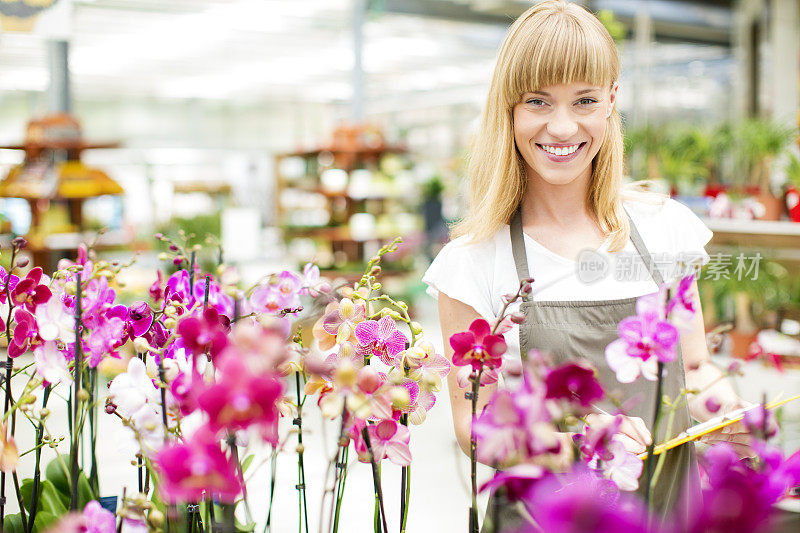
350, 149
779, 239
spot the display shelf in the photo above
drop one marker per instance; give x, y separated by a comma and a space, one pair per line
755, 233
309, 206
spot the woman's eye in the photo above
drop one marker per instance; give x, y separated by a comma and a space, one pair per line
534, 101
587, 101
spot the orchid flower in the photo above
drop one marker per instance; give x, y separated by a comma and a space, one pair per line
380, 338
478, 347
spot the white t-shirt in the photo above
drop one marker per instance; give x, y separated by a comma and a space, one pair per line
479, 274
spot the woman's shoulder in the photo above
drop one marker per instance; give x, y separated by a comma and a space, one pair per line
668, 224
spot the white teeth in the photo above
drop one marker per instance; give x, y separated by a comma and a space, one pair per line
561, 151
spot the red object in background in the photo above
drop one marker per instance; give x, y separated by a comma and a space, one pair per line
792, 199
712, 190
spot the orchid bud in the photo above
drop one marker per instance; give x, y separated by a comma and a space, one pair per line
44, 413
368, 379
401, 398
158, 236
376, 286
300, 448
173, 248
141, 345
416, 328
163, 256
155, 518
83, 395
19, 242
518, 317
71, 288
712, 405
170, 323
22, 263
346, 307
178, 260
526, 289
170, 311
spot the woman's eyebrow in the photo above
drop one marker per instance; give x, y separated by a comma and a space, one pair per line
578, 93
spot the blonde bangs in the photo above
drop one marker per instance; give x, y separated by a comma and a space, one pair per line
560, 48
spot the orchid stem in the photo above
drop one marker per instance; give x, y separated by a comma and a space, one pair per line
301, 471
649, 460
273, 463
473, 445
404, 478
9, 368
37, 467
662, 458
376, 479
73, 501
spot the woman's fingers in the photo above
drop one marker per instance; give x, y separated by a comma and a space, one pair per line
635, 428
631, 445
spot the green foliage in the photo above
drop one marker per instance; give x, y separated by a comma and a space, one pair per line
793, 170
615, 28
432, 189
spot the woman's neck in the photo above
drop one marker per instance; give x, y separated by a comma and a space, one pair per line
549, 205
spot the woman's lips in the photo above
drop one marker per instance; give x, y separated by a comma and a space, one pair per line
561, 158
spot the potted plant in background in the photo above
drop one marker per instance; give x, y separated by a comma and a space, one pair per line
792, 194
756, 143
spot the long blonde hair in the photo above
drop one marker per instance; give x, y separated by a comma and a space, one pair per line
553, 42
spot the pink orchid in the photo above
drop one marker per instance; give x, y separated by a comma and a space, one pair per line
139, 318
311, 284
51, 364
26, 333
191, 469
380, 338
12, 283
620, 466
29, 292
104, 340
205, 334
240, 398
362, 389
516, 424
338, 323
156, 290
98, 519
216, 297
55, 321
645, 339
281, 293
478, 347
488, 376
388, 439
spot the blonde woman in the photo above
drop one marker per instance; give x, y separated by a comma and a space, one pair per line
546, 200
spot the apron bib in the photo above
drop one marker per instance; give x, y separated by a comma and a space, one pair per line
569, 330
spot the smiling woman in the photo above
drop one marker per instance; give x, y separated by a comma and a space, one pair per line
546, 190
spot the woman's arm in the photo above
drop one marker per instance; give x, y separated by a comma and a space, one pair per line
702, 375
456, 316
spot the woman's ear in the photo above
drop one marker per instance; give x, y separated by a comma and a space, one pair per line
612, 98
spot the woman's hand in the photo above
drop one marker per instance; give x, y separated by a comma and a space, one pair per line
633, 432
736, 435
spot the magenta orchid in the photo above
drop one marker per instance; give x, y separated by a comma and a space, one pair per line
573, 383
239, 398
478, 347
191, 469
205, 334
29, 292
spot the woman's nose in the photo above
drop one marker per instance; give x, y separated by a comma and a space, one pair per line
562, 125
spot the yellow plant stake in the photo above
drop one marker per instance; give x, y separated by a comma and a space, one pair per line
716, 423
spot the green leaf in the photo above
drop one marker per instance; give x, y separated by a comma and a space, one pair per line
49, 498
245, 528
13, 524
43, 521
247, 461
58, 474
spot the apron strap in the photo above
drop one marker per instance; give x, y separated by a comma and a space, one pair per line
521, 257
642, 249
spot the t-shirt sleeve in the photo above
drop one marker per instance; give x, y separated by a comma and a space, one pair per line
690, 234
463, 272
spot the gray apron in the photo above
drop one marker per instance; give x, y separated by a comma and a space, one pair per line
569, 330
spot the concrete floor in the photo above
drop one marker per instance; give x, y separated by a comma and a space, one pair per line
439, 477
